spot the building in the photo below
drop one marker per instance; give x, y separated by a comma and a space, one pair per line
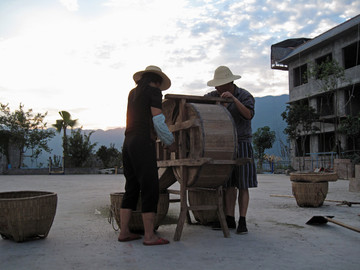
299, 56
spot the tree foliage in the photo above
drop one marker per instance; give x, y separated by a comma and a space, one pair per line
62, 125
110, 157
300, 118
25, 130
263, 139
329, 75
80, 148
351, 127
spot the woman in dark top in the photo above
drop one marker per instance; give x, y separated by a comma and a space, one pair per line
144, 116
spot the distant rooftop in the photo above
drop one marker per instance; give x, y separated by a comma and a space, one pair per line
282, 53
282, 49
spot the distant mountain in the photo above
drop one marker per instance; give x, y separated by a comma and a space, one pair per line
268, 111
100, 137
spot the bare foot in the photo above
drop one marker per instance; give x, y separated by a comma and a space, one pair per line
128, 237
158, 241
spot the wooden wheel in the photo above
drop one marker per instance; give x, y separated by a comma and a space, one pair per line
209, 133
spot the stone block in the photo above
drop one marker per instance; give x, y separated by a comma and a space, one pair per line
357, 171
354, 185
344, 168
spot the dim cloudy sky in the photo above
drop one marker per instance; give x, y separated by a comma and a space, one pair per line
80, 55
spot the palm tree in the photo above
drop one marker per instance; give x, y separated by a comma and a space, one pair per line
61, 125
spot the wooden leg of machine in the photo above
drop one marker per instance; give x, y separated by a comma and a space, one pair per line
184, 209
183, 213
220, 212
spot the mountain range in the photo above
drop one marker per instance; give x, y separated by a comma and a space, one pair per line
268, 111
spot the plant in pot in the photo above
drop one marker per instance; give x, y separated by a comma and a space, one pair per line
309, 188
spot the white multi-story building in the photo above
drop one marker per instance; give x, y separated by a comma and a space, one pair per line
342, 45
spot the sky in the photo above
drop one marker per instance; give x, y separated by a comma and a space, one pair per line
80, 55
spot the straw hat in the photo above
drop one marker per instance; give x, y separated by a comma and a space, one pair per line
222, 75
166, 83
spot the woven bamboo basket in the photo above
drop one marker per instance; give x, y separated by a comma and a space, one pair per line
204, 197
309, 194
26, 215
136, 223
313, 177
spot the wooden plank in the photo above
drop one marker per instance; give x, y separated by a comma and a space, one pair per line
173, 191
203, 207
184, 212
218, 125
201, 161
183, 162
200, 99
184, 125
221, 214
239, 161
219, 155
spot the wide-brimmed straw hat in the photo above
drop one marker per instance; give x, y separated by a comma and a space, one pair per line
222, 75
166, 83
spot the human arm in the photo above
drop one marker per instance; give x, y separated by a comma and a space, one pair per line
244, 111
161, 128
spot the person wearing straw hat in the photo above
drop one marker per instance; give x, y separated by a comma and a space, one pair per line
144, 119
243, 177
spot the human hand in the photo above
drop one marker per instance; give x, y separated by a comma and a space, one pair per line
172, 147
227, 94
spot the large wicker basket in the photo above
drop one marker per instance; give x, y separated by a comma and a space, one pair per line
26, 215
310, 194
136, 223
310, 188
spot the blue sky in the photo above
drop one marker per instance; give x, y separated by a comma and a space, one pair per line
80, 55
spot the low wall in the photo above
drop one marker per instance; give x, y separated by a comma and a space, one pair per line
44, 171
354, 183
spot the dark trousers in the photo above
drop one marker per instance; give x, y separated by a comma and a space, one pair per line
141, 173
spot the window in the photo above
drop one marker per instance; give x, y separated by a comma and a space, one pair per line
300, 75
327, 142
351, 55
352, 98
325, 104
321, 65
352, 144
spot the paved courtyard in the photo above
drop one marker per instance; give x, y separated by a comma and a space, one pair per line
82, 238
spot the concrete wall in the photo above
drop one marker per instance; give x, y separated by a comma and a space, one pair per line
312, 89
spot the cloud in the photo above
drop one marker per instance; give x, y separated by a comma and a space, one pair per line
83, 60
71, 5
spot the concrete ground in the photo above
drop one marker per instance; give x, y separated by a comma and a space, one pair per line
82, 238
